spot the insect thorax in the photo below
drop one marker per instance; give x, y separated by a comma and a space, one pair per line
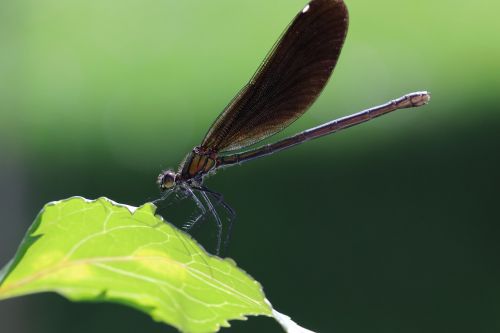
198, 163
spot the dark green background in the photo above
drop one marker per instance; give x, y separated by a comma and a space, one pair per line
391, 226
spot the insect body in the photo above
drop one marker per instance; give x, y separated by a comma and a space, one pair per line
287, 83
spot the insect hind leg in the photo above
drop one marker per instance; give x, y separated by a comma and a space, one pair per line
218, 221
231, 214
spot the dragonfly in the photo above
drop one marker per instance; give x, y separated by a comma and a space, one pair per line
287, 83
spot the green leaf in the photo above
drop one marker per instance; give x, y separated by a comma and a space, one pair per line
103, 251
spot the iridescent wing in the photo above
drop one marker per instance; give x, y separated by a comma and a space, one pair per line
289, 80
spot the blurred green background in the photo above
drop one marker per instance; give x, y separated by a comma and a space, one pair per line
391, 226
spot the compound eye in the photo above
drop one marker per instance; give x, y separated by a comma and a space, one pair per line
166, 180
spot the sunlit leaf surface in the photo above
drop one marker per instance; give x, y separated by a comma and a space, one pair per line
102, 251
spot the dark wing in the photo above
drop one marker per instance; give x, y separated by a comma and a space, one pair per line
289, 80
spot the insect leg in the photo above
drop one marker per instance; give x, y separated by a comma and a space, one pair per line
219, 200
164, 196
211, 208
200, 206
